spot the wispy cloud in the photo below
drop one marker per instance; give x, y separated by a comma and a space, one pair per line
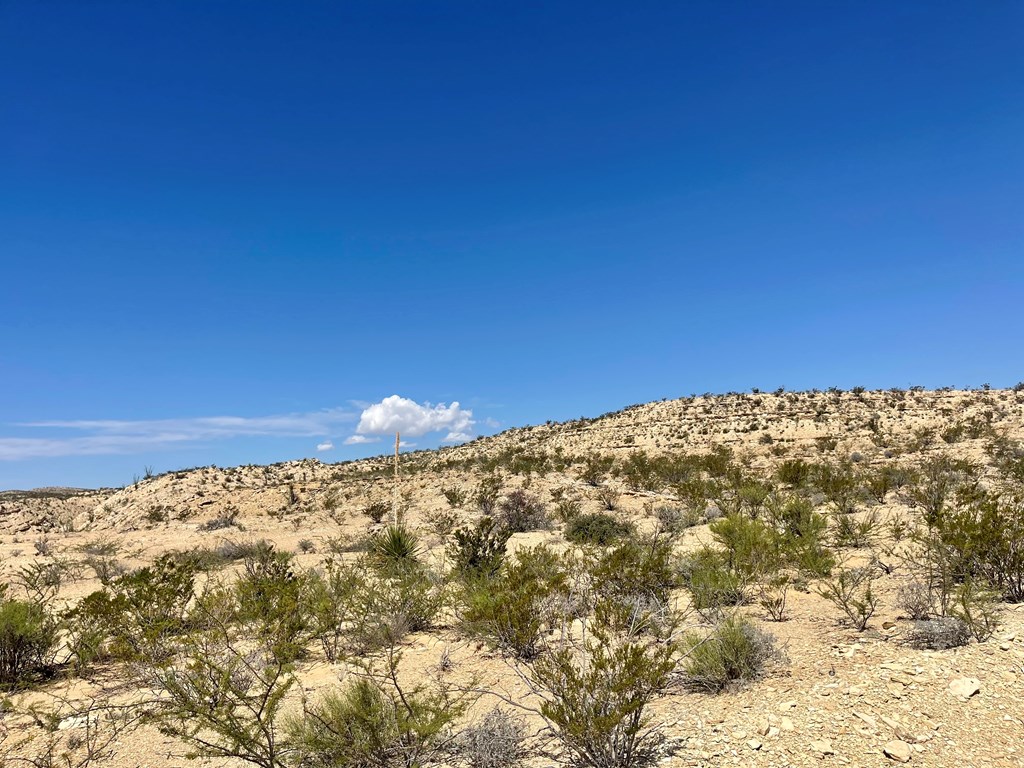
110, 436
325, 446
361, 440
400, 414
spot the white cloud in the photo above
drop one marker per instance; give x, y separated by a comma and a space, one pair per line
292, 425
13, 448
400, 414
360, 440
109, 436
326, 446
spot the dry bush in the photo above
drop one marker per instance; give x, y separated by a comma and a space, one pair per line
495, 741
939, 634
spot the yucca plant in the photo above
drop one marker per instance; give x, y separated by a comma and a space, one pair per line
396, 546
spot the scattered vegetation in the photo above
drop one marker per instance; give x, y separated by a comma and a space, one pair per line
596, 622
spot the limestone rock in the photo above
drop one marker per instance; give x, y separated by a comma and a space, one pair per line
964, 687
898, 750
822, 747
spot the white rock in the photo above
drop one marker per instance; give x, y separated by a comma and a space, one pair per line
964, 687
822, 747
898, 750
73, 722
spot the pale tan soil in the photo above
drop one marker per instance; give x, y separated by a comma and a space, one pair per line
836, 687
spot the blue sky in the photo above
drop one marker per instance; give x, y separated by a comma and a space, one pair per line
229, 228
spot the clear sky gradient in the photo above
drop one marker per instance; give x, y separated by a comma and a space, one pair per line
227, 228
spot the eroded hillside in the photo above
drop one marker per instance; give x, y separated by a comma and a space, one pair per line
865, 548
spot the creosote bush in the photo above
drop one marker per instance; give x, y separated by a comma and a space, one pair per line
374, 721
735, 652
27, 639
520, 512
595, 696
377, 510
597, 528
850, 590
478, 550
511, 607
269, 600
713, 587
456, 497
631, 586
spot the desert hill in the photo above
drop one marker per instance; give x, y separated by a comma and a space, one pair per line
824, 485
761, 426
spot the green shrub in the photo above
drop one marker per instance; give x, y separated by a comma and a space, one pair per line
938, 483
377, 510
145, 609
221, 696
42, 579
713, 587
631, 586
839, 484
411, 599
456, 497
487, 493
596, 698
640, 472
441, 524
339, 606
975, 604
752, 547
511, 608
376, 723
478, 550
27, 638
880, 483
520, 511
269, 600
985, 540
855, 531
597, 528
802, 536
850, 590
107, 569
735, 652
796, 473
772, 597
88, 629
595, 467
568, 510
751, 496
355, 609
